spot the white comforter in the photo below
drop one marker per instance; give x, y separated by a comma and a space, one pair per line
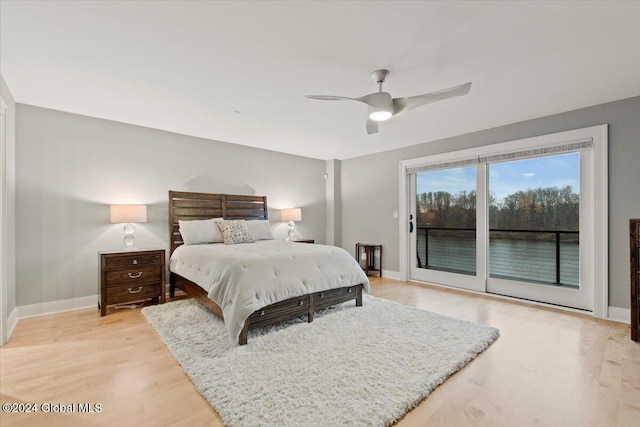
245, 277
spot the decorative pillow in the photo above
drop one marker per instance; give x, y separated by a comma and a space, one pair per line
200, 231
260, 229
235, 231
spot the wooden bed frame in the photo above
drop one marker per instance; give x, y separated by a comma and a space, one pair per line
196, 206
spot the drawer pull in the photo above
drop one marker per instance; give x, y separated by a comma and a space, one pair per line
261, 312
134, 275
350, 289
135, 262
321, 294
301, 302
131, 291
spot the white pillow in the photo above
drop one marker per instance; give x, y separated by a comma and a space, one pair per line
235, 231
200, 231
260, 229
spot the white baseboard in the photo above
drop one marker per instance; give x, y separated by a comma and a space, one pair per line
61, 306
617, 314
390, 274
12, 321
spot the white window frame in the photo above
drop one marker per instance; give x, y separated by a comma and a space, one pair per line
600, 215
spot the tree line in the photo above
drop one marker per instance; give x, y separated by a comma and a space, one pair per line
550, 208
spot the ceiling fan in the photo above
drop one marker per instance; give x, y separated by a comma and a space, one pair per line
382, 107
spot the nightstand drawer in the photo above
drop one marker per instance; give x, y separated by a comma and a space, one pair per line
128, 293
134, 276
134, 260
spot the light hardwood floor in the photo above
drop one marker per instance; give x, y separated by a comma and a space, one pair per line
548, 368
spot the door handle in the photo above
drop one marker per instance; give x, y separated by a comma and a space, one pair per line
410, 226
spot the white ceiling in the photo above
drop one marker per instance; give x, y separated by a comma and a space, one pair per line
187, 67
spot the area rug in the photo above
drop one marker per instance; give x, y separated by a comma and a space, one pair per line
356, 366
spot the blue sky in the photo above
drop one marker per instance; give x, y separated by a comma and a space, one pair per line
508, 177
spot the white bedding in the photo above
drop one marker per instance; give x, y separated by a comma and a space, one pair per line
245, 277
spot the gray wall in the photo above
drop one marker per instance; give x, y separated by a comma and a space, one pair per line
370, 184
71, 167
9, 294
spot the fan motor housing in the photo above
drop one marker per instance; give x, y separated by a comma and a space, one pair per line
379, 76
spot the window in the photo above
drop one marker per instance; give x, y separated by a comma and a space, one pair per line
446, 220
534, 219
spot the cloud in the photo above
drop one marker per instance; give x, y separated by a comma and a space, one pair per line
528, 174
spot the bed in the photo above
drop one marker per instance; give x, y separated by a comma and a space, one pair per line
328, 275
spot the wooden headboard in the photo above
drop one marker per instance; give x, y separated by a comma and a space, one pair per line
189, 206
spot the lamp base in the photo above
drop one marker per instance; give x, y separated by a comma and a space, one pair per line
291, 231
129, 239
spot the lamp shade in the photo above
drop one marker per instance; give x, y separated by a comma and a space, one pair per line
128, 213
294, 214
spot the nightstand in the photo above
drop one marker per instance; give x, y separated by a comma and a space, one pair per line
127, 276
366, 257
305, 241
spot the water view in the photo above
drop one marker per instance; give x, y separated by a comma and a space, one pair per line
516, 259
533, 214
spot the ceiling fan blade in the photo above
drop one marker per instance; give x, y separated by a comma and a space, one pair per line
380, 100
411, 102
372, 127
330, 98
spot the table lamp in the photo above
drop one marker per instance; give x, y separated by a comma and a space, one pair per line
128, 214
291, 215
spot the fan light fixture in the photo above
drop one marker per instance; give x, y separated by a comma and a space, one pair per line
382, 106
380, 115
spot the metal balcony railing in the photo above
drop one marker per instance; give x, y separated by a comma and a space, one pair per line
537, 266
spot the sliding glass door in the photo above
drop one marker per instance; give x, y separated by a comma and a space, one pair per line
518, 222
534, 229
444, 215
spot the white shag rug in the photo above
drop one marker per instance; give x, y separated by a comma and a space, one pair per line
356, 366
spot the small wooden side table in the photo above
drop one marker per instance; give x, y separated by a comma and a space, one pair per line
127, 276
365, 255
